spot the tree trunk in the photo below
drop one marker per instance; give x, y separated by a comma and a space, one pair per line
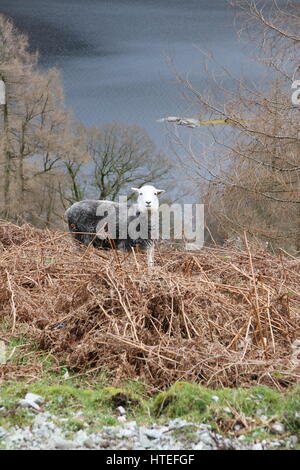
7, 165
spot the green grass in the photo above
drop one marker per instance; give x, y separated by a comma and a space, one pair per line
90, 402
97, 404
253, 410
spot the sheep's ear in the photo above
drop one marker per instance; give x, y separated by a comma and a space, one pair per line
160, 191
136, 190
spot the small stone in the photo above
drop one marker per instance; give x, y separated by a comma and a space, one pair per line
277, 428
201, 446
89, 443
105, 443
227, 410
293, 440
63, 444
34, 397
207, 438
275, 444
121, 419
28, 404
131, 425
264, 418
125, 433
31, 400
153, 433
80, 437
177, 423
257, 446
215, 398
121, 410
144, 441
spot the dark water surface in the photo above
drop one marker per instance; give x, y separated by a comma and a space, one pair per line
112, 54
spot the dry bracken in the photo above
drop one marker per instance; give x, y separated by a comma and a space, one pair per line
221, 317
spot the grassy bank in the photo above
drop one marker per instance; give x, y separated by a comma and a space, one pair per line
89, 402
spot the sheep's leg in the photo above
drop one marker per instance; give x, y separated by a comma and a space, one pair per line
150, 256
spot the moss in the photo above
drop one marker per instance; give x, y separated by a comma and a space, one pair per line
15, 416
181, 399
291, 410
89, 402
82, 407
121, 397
233, 411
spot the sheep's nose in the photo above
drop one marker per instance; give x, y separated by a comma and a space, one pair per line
148, 203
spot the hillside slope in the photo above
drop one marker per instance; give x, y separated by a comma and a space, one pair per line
218, 317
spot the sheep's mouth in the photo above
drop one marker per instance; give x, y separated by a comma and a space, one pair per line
146, 210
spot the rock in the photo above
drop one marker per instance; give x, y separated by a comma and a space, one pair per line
131, 425
201, 446
144, 441
177, 423
257, 446
36, 398
121, 419
207, 439
293, 440
28, 404
264, 418
215, 398
153, 433
125, 433
275, 444
227, 410
277, 428
80, 437
31, 400
45, 432
121, 410
63, 444
3, 433
89, 443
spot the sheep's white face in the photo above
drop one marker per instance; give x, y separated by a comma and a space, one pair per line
148, 198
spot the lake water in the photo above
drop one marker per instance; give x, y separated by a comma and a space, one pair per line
112, 54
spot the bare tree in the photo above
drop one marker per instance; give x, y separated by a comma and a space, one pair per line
251, 166
37, 131
119, 155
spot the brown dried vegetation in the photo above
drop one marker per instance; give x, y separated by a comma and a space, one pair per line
221, 317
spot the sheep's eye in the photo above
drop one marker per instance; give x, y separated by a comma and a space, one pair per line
155, 194
141, 194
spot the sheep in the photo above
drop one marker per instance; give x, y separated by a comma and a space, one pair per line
109, 224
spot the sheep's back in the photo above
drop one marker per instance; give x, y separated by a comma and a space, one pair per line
87, 215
